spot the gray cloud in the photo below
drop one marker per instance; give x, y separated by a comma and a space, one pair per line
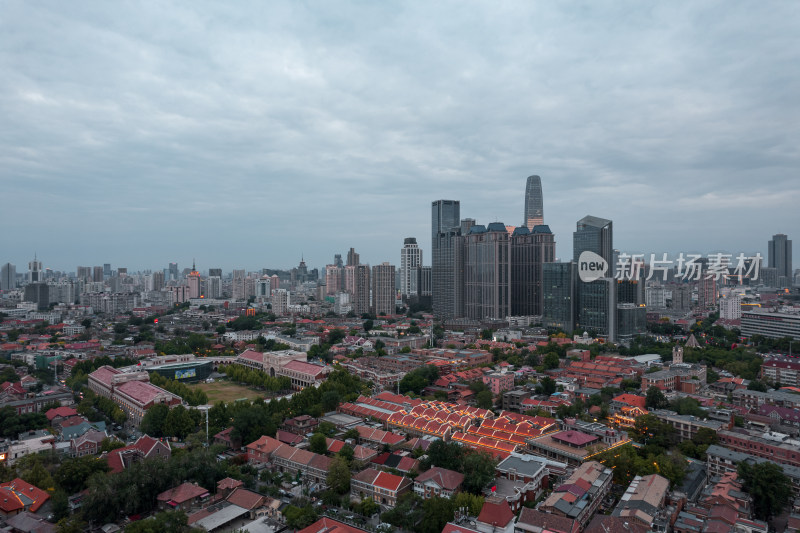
246, 135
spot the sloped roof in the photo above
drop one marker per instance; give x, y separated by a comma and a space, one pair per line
447, 479
496, 514
18, 494
182, 493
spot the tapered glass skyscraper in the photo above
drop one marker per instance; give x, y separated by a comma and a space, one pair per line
534, 205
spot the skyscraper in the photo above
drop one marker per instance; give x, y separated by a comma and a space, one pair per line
194, 282
596, 300
530, 250
353, 258
558, 288
594, 234
8, 277
534, 204
445, 248
780, 258
361, 287
173, 271
410, 259
487, 272
383, 293
97, 274
334, 279
35, 271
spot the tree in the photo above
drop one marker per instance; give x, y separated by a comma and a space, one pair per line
179, 422
171, 521
71, 525
484, 399
438, 512
473, 502
74, 473
480, 466
154, 420
756, 385
551, 361
768, 485
318, 444
339, 476
546, 385
655, 399
299, 517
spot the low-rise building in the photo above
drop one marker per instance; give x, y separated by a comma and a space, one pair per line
382, 487
183, 497
580, 495
438, 482
17, 496
132, 391
643, 502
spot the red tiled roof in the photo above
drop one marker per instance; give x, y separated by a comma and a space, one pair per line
631, 399
229, 483
245, 498
575, 438
447, 479
388, 481
496, 514
18, 494
182, 493
305, 368
329, 525
63, 412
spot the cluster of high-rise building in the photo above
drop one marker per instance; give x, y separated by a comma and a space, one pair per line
496, 271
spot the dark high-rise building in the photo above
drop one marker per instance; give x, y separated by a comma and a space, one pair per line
97, 274
84, 273
337, 261
107, 270
487, 272
353, 258
594, 234
38, 293
173, 271
361, 288
8, 277
216, 272
446, 258
780, 258
630, 291
596, 308
558, 294
529, 251
534, 203
383, 292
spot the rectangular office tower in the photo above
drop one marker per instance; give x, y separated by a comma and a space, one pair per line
445, 250
558, 295
487, 272
383, 292
530, 250
596, 309
780, 258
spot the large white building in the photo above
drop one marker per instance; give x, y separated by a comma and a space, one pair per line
410, 259
730, 307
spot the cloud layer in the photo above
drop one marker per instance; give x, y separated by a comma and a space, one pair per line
247, 134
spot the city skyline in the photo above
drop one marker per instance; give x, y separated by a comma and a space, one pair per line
249, 137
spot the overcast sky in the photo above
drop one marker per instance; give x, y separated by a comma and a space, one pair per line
247, 134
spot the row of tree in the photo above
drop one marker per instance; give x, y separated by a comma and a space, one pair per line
191, 395
256, 378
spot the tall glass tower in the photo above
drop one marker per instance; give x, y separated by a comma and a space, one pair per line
445, 234
534, 205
